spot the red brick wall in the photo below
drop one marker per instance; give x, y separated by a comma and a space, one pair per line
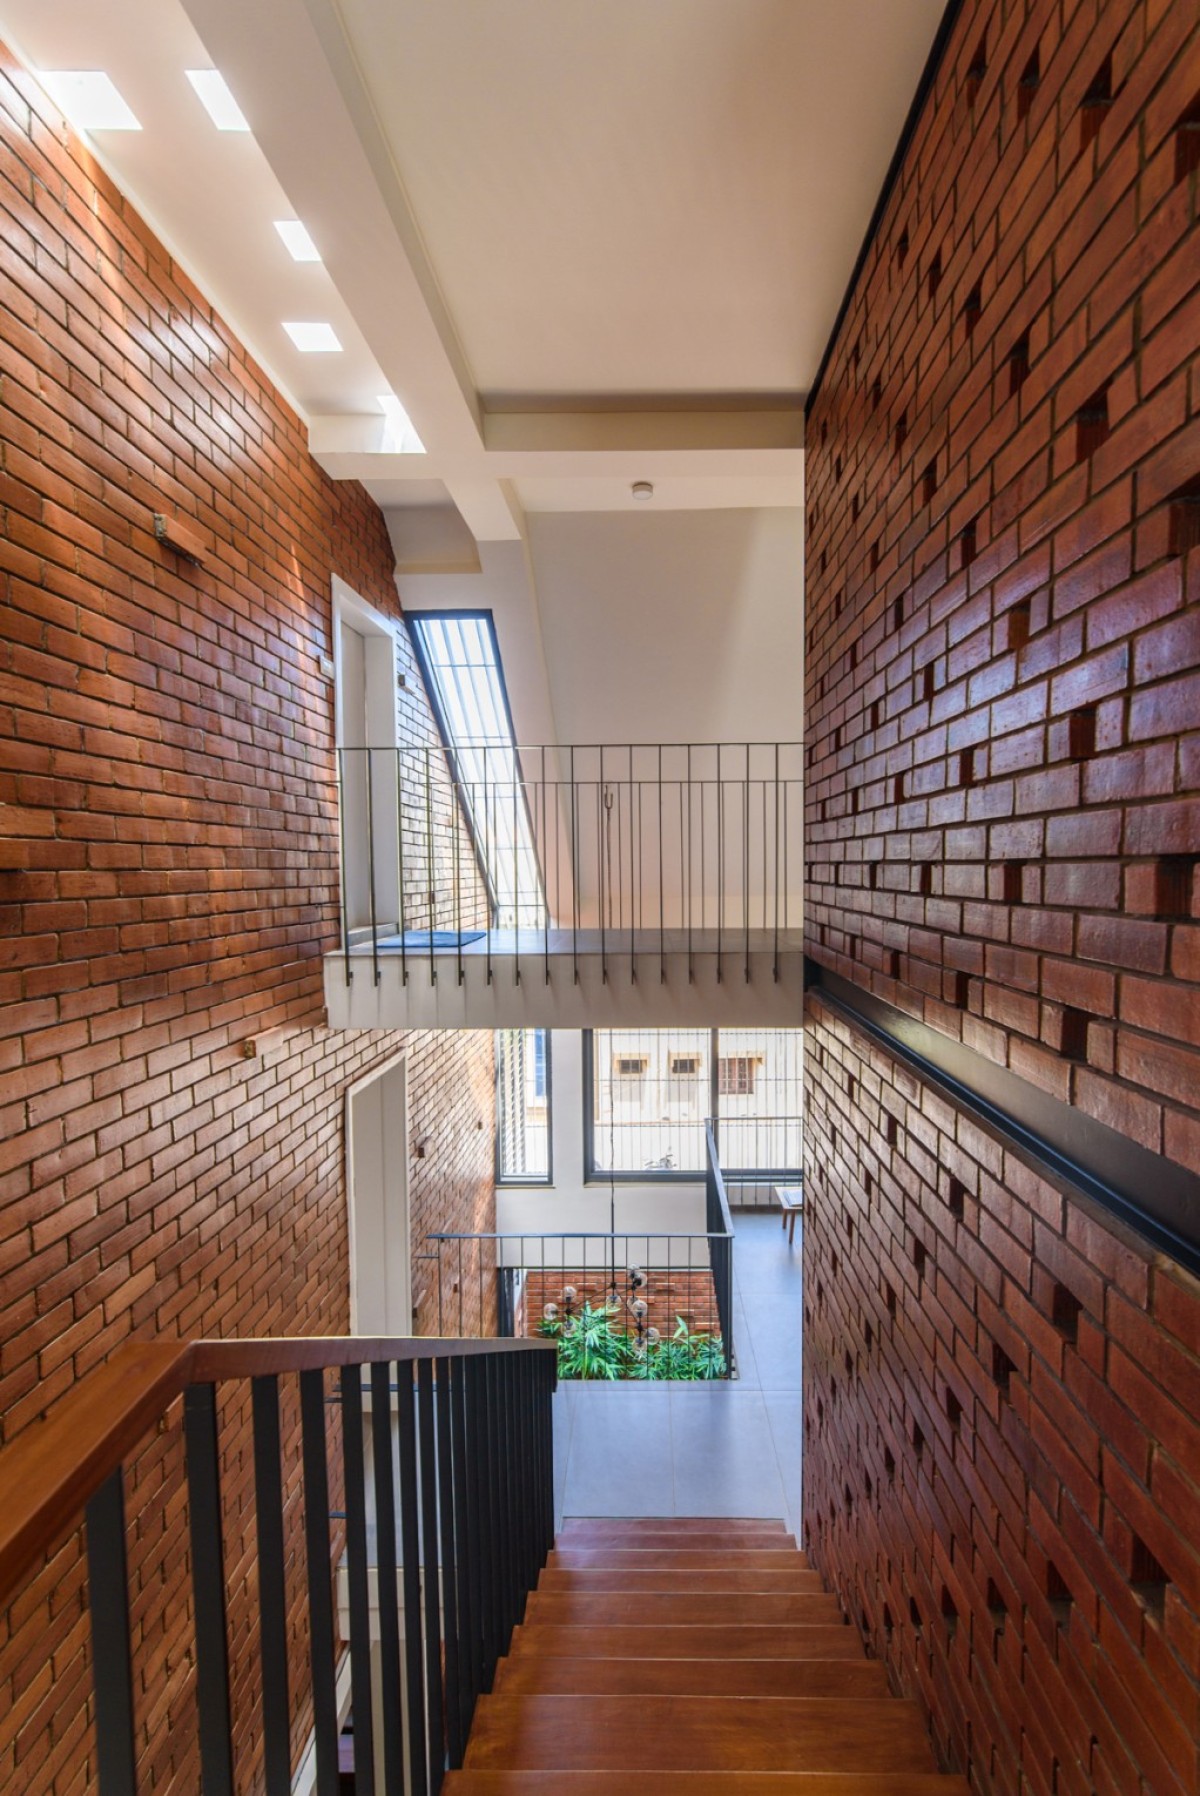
930, 1275
168, 868
1003, 727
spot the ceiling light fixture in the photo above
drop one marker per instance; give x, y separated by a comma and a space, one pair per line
297, 241
400, 438
642, 490
89, 99
213, 92
313, 339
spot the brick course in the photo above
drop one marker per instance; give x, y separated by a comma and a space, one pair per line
168, 877
1002, 1463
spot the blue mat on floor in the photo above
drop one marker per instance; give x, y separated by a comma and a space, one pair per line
437, 938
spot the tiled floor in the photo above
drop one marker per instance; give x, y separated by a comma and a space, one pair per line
731, 1448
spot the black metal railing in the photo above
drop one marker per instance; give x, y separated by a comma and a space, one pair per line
636, 852
720, 1228
424, 1471
648, 1279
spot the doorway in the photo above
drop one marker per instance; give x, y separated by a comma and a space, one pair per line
377, 1190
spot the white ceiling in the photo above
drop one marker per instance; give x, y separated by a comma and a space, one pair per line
622, 197
528, 210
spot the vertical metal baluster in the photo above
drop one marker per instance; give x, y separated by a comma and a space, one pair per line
342, 870
466, 1548
208, 1588
434, 1707
112, 1664
355, 1470
491, 1469
775, 919
386, 1583
430, 889
320, 1580
403, 898
662, 944
371, 865
477, 1518
456, 825
574, 869
456, 1738
410, 1553
746, 864
272, 1585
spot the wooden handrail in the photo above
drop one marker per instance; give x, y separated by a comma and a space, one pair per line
52, 1470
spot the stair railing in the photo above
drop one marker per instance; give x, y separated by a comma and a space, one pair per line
442, 1461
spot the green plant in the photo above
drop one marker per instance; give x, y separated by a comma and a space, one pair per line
592, 1346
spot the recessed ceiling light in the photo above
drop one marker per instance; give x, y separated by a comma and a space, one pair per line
642, 489
300, 245
216, 99
400, 438
89, 99
313, 339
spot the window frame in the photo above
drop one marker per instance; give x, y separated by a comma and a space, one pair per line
429, 677
531, 1181
647, 1175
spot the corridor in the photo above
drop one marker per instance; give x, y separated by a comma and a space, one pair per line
700, 1449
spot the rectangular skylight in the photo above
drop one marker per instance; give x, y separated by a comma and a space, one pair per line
89, 99
313, 339
216, 99
400, 438
460, 659
297, 241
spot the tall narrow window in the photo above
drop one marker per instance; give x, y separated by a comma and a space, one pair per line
523, 1106
460, 660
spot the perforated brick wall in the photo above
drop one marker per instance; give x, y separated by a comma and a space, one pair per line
168, 873
1002, 1460
1002, 686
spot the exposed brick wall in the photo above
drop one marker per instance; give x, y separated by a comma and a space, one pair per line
1003, 695
1002, 830
1002, 1434
168, 872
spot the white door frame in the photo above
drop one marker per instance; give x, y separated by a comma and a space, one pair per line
380, 672
380, 1225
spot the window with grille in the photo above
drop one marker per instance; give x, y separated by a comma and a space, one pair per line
650, 1093
737, 1075
523, 1106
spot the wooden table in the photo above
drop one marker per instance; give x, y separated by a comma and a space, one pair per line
790, 1199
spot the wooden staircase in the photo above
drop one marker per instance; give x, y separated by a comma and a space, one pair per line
701, 1655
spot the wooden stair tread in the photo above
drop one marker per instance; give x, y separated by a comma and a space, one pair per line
816, 1640
640, 1608
708, 1540
698, 1733
730, 1579
603, 1526
709, 1783
548, 1675
614, 1558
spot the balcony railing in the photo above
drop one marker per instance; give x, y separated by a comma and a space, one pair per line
427, 1464
633, 852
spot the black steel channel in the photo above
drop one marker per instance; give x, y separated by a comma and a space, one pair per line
491, 1488
434, 1705
355, 1469
320, 1580
112, 1660
386, 1582
500, 1471
410, 1551
455, 1737
208, 1588
272, 1585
